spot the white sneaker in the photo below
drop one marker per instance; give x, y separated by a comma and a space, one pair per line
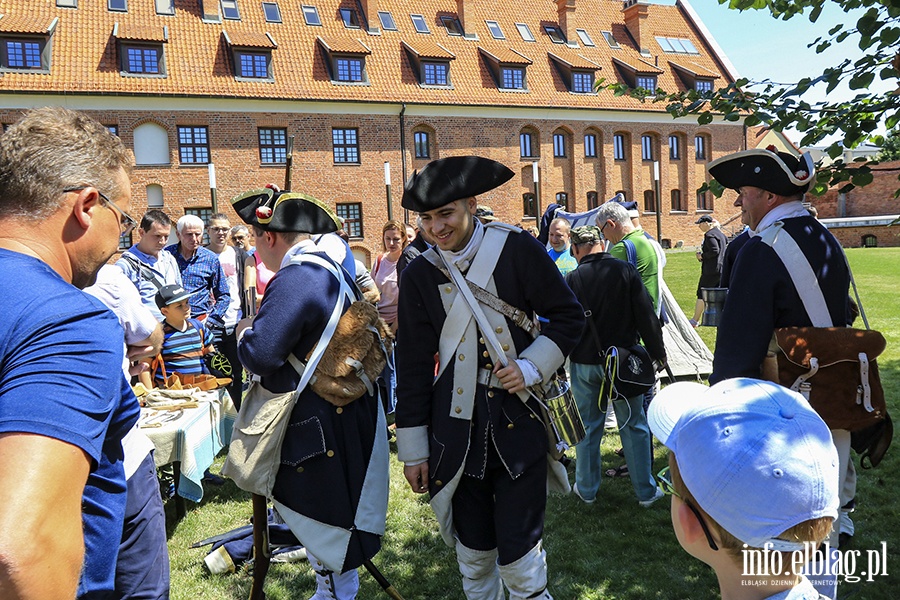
580, 497
648, 503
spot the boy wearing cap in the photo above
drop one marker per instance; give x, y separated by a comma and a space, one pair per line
752, 472
711, 256
184, 338
467, 432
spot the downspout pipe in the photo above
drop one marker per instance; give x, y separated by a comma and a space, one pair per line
403, 153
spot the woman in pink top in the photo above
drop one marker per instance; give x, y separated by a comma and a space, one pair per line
393, 237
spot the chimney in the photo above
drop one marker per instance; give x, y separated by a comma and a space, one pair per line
566, 11
461, 14
370, 14
210, 10
636, 12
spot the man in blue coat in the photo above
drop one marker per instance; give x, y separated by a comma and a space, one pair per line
468, 432
761, 294
332, 486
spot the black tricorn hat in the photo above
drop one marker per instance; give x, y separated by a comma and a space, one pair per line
284, 211
777, 172
447, 179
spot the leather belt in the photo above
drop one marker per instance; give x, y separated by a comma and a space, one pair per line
487, 377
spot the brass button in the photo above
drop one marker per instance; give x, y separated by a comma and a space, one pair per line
339, 409
448, 289
480, 340
330, 453
485, 354
462, 357
438, 483
458, 409
462, 339
532, 416
299, 469
510, 426
490, 394
505, 347
499, 330
459, 390
489, 366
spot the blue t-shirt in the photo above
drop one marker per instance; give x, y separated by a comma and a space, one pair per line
61, 353
564, 260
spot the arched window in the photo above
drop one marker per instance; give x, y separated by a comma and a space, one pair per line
592, 200
529, 144
529, 205
869, 241
151, 145
649, 201
562, 198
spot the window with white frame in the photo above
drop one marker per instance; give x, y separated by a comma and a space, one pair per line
387, 20
311, 15
700, 147
271, 12
422, 145
495, 30
619, 147
350, 18
584, 37
525, 32
419, 23
526, 145
230, 10
559, 145
674, 148
590, 145
646, 147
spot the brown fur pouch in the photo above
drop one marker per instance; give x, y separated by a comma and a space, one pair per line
355, 356
835, 369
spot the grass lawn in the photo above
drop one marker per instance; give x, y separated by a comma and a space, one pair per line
612, 549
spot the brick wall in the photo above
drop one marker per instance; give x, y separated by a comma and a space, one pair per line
234, 150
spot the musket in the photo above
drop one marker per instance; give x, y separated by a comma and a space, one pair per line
288, 163
218, 538
382, 580
262, 554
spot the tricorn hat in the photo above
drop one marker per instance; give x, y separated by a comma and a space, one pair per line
447, 179
284, 211
768, 169
703, 219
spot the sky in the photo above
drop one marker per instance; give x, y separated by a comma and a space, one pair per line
762, 47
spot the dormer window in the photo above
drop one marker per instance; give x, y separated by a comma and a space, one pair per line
350, 18
346, 60
508, 68
252, 54
648, 82
577, 71
703, 85
694, 76
419, 23
141, 50
387, 21
311, 16
430, 62
25, 44
495, 30
555, 34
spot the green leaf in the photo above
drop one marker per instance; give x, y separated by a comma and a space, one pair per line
861, 179
751, 120
705, 118
861, 80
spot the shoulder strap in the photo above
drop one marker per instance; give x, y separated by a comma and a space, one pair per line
801, 273
145, 271
630, 252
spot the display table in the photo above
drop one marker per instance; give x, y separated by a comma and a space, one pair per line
190, 439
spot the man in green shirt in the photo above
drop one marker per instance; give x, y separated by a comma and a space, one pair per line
630, 244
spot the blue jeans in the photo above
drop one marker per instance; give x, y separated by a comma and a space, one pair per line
633, 429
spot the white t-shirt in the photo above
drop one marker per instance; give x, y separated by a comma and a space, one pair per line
228, 260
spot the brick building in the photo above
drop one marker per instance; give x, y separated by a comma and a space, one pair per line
361, 83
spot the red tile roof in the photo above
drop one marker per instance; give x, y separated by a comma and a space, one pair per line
575, 61
506, 56
344, 45
249, 39
692, 69
25, 23
637, 65
428, 49
141, 33
84, 61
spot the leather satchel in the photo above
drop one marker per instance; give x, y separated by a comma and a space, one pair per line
836, 370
